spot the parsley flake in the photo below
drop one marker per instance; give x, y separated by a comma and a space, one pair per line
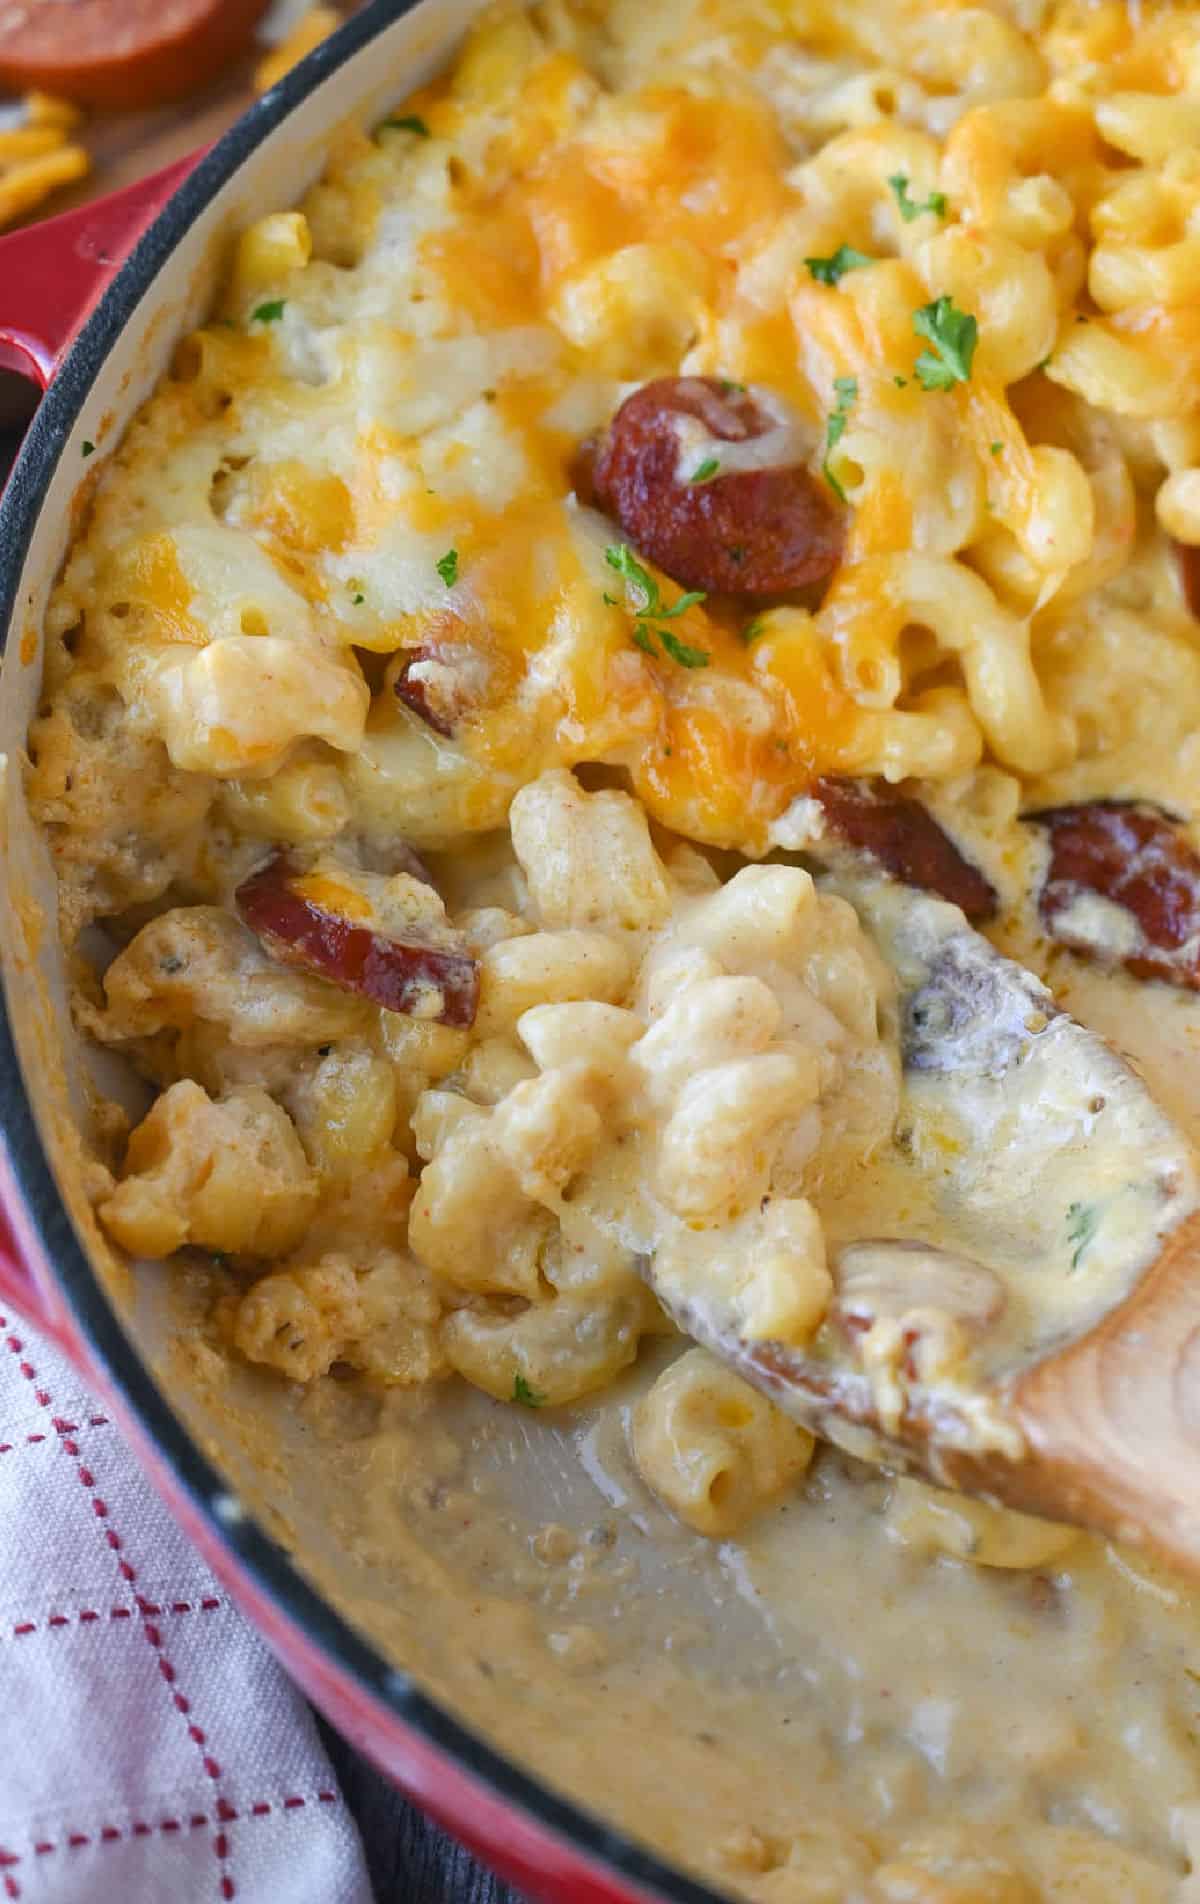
649, 608
680, 651
527, 1396
620, 557
833, 269
753, 629
730, 389
447, 567
900, 382
407, 122
358, 599
995, 448
268, 313
1083, 1220
87, 447
910, 208
707, 470
954, 335
846, 389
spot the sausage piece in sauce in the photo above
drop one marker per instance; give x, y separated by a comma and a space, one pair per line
903, 837
428, 972
1123, 886
442, 682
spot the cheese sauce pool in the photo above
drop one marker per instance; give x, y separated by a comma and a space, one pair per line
875, 1694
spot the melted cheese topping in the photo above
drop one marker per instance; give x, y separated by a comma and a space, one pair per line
407, 367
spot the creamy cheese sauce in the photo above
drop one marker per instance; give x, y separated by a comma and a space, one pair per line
992, 1702
850, 1702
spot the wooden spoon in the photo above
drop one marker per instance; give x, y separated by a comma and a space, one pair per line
1038, 1211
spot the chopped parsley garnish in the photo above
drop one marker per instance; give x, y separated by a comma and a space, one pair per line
358, 598
833, 269
447, 567
900, 382
847, 390
707, 470
651, 612
643, 639
1083, 1220
753, 629
87, 447
995, 448
910, 208
407, 122
686, 656
527, 1396
1042, 365
270, 312
954, 335
730, 389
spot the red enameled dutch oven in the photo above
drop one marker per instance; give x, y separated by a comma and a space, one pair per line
90, 306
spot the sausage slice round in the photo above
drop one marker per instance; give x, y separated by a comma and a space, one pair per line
1145, 875
117, 53
757, 532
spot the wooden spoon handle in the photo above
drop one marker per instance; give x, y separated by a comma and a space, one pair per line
1113, 1423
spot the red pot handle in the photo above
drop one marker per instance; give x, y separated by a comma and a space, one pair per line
16, 1284
33, 1296
53, 273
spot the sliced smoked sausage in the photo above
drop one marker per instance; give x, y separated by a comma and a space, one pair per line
1138, 861
741, 530
904, 839
427, 972
118, 53
442, 682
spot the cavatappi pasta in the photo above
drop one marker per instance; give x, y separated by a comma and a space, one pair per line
674, 422
659, 1065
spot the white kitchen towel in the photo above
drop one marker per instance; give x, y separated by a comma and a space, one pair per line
151, 1749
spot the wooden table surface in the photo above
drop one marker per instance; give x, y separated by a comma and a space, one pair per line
410, 1861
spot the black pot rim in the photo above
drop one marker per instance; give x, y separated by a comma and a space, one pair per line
269, 1566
